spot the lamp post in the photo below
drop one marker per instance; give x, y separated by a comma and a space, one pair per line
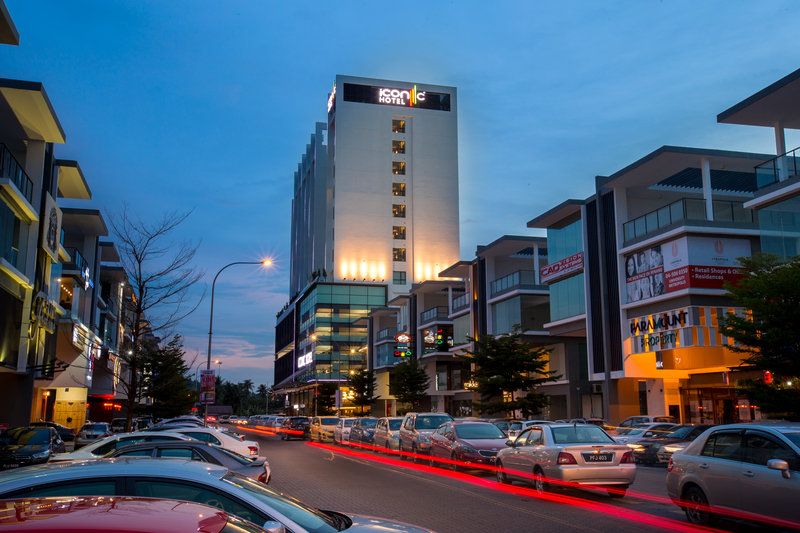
265, 262
219, 368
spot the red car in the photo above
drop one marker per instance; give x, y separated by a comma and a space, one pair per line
101, 514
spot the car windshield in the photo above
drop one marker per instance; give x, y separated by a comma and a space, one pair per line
369, 422
431, 422
581, 434
25, 436
94, 427
515, 426
793, 436
329, 421
394, 425
631, 431
679, 433
479, 431
305, 516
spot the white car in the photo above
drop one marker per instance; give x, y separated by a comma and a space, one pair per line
647, 431
99, 448
341, 432
224, 438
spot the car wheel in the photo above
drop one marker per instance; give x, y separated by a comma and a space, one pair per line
501, 475
618, 492
540, 485
431, 459
697, 507
454, 463
414, 454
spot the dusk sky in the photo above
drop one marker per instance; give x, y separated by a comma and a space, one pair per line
190, 104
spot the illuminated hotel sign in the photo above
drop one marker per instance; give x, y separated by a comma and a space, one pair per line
304, 360
396, 96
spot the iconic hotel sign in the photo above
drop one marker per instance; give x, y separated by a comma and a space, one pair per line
397, 96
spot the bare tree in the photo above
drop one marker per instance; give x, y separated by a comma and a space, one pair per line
160, 274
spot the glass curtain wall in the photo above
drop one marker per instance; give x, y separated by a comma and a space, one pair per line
567, 296
779, 225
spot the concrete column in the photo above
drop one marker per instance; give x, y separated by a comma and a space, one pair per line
536, 279
706, 168
780, 150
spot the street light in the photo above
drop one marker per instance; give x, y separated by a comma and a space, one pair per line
219, 368
265, 262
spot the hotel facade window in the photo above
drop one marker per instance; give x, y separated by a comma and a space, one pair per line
398, 168
398, 254
398, 277
398, 147
398, 126
398, 210
398, 232
398, 189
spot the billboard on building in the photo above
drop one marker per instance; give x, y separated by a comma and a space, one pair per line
563, 268
686, 262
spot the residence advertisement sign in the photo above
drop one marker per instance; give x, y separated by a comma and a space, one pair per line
562, 268
207, 386
687, 262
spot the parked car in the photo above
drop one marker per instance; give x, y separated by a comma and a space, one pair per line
387, 432
276, 422
294, 427
253, 467
91, 432
190, 481
25, 446
416, 429
518, 426
98, 514
503, 423
341, 433
750, 468
66, 434
638, 420
646, 450
363, 430
631, 435
581, 454
321, 428
465, 443
99, 448
220, 437
118, 425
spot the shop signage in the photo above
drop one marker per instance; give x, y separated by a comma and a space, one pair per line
332, 98
43, 313
562, 268
304, 360
51, 227
403, 338
660, 322
684, 263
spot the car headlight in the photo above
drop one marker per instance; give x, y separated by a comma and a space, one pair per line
467, 449
674, 448
41, 455
636, 447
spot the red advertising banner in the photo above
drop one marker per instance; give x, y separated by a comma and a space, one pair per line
207, 386
701, 277
562, 268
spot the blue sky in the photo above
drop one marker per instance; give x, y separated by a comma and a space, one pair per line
208, 105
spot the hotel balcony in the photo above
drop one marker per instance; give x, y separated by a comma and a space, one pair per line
386, 333
778, 169
461, 302
16, 187
77, 264
521, 280
726, 214
434, 314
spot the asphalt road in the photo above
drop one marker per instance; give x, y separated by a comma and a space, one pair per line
353, 481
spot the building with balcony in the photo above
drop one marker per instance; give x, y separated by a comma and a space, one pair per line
776, 200
375, 208
649, 254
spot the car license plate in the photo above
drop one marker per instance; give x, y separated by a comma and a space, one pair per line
10, 465
598, 457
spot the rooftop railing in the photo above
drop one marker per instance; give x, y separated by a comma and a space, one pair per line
521, 279
434, 313
685, 209
777, 169
11, 169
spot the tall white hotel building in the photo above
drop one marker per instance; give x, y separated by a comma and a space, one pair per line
375, 210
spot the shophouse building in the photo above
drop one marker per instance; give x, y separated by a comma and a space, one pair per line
375, 210
777, 197
649, 254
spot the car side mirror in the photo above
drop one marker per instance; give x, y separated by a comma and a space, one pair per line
273, 527
779, 464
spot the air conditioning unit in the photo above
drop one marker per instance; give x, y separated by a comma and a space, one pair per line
597, 388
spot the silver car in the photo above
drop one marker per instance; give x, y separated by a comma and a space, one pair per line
739, 468
189, 481
341, 432
387, 433
570, 454
90, 432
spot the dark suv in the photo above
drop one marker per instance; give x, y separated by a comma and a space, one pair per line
295, 427
415, 431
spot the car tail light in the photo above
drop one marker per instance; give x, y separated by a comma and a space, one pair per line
627, 458
262, 478
670, 465
253, 450
565, 458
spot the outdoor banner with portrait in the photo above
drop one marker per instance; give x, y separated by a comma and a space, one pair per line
686, 262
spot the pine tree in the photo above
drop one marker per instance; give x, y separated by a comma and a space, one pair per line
507, 365
766, 334
362, 383
409, 382
165, 378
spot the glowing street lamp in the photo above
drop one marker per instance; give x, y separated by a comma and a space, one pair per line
265, 262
